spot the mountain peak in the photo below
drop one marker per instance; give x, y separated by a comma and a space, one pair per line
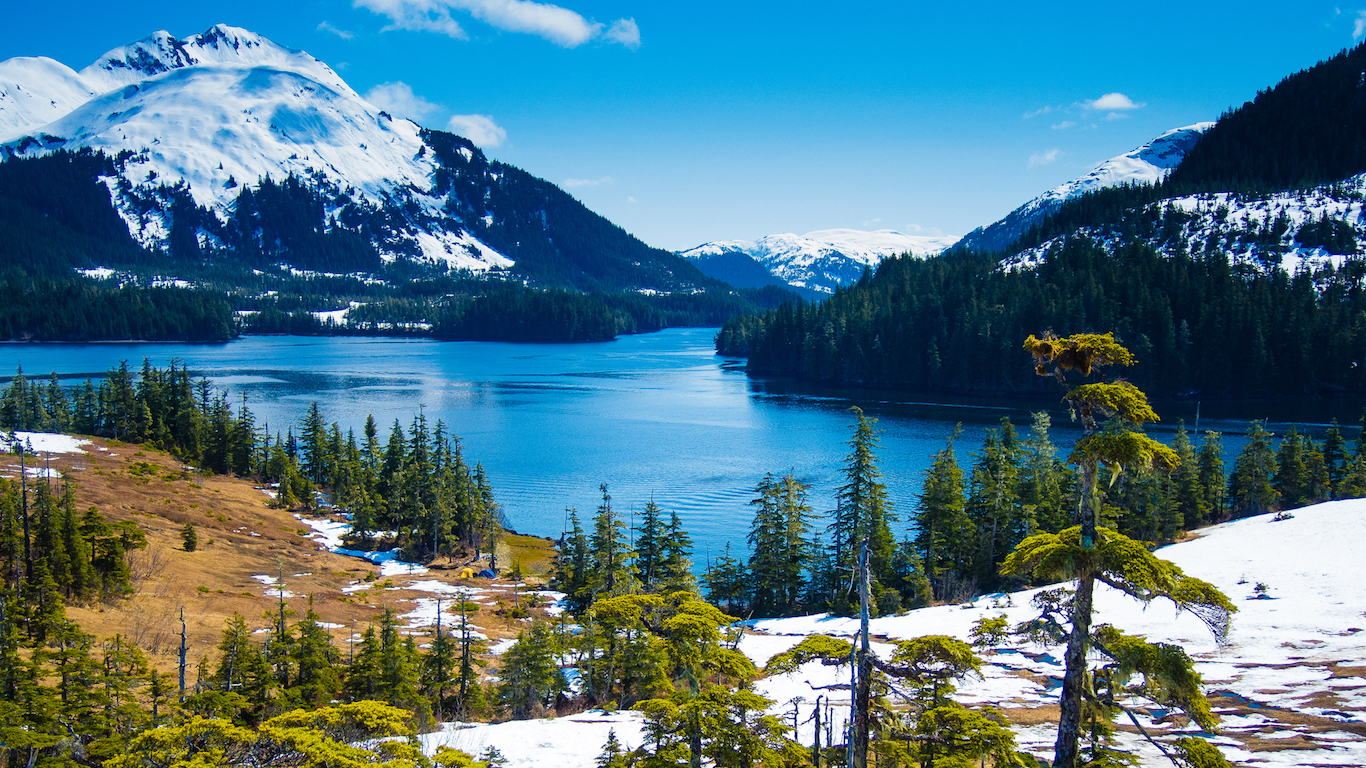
1147, 164
219, 45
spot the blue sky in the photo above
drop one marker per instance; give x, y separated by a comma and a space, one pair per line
686, 122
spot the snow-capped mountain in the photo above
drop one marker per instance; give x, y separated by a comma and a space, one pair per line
818, 262
1147, 164
193, 123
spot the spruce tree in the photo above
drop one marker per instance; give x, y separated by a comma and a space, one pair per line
993, 504
676, 566
613, 572
862, 510
1090, 552
1250, 489
1210, 475
649, 545
943, 531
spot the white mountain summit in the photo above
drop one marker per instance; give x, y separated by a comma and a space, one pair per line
222, 109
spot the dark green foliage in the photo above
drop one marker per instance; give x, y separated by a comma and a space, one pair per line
63, 308
56, 214
779, 538
189, 540
1250, 488
863, 513
951, 323
1302, 132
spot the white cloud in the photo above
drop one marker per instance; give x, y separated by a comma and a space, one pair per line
626, 32
325, 26
1116, 116
551, 22
416, 16
1112, 102
397, 98
1064, 125
572, 183
1044, 158
479, 129
1039, 111
630, 199
1359, 28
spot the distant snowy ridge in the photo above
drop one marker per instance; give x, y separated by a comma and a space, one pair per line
223, 109
1147, 164
823, 260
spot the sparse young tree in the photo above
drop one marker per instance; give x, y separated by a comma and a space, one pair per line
1089, 553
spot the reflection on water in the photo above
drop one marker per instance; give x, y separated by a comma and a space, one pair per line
656, 415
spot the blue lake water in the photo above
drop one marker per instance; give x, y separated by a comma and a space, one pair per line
655, 415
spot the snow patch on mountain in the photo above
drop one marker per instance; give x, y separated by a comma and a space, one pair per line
1255, 232
825, 259
1147, 164
225, 109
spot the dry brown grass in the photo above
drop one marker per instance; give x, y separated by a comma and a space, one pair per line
240, 536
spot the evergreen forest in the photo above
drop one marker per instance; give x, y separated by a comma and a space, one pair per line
642, 630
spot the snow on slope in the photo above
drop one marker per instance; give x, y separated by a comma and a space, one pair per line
825, 259
223, 109
1230, 224
1145, 165
35, 91
1285, 653
1291, 673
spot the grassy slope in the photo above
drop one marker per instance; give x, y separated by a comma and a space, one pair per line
130, 482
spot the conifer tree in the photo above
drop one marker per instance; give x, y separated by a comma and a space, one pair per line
649, 545
944, 533
613, 572
676, 566
778, 541
1335, 459
993, 504
1211, 477
862, 510
531, 678
316, 680
1188, 497
1250, 488
1090, 552
1291, 479
727, 581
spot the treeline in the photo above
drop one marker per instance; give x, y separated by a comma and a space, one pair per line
70, 309
952, 323
969, 518
415, 485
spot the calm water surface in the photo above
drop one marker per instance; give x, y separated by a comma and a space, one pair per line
656, 415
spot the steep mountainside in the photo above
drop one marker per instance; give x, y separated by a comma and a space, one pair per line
1148, 164
815, 263
200, 130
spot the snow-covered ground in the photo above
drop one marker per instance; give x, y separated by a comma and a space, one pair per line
1292, 674
44, 442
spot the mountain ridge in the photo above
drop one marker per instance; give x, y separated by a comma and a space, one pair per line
192, 124
817, 263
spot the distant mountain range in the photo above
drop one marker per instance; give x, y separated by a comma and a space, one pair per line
194, 127
815, 263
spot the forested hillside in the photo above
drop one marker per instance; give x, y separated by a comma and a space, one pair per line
1228, 279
